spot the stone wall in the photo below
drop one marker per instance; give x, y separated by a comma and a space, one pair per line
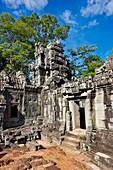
85, 104
20, 100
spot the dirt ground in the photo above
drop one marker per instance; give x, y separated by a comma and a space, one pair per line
50, 157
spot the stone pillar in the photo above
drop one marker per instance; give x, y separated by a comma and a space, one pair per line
52, 103
74, 108
39, 77
76, 115
54, 106
64, 109
88, 112
99, 109
51, 55
41, 100
45, 109
49, 111
23, 104
60, 105
2, 109
110, 124
68, 121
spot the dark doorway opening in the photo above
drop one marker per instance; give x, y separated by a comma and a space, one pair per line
14, 110
82, 118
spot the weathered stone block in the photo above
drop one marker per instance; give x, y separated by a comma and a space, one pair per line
33, 145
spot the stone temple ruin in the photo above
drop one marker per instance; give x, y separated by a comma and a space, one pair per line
53, 101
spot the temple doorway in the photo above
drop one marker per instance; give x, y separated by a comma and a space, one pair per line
14, 110
82, 118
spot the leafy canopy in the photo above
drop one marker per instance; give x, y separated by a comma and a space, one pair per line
14, 42
18, 36
83, 62
46, 27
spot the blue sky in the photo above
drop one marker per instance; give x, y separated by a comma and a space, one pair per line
91, 21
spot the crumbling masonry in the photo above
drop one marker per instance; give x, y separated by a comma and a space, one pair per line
52, 95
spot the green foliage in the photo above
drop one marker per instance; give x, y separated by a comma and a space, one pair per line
56, 86
14, 42
46, 28
3, 61
83, 62
18, 37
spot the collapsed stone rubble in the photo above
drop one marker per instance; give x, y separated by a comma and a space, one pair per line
54, 104
19, 158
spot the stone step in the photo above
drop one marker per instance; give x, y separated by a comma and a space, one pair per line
71, 139
70, 145
57, 139
76, 134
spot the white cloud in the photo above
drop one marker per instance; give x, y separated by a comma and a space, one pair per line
109, 8
90, 24
83, 27
68, 18
29, 4
73, 30
18, 13
95, 7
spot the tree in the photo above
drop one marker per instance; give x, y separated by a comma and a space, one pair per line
91, 63
14, 42
18, 37
83, 62
3, 61
46, 27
